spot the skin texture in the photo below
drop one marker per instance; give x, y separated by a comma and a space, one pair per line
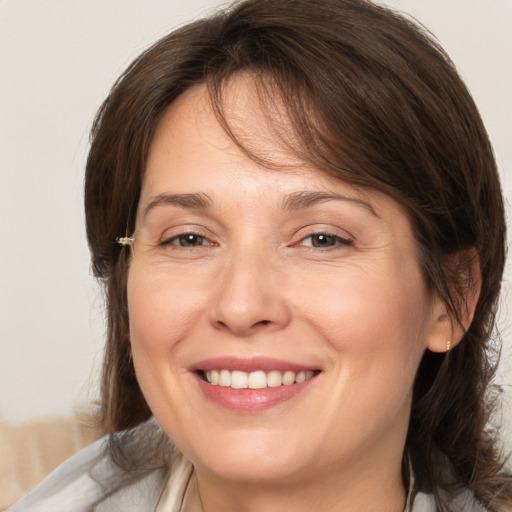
256, 286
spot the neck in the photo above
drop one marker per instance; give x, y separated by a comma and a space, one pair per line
373, 488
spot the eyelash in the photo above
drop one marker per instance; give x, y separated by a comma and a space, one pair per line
335, 239
338, 240
169, 241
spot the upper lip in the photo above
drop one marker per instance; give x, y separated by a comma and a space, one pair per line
252, 364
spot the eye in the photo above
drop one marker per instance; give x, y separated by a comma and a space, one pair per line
324, 240
186, 240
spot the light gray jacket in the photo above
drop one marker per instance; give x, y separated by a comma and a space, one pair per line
90, 481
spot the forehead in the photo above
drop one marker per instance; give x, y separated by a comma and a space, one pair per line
250, 112
190, 136
191, 152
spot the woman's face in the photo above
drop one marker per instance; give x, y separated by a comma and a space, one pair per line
257, 279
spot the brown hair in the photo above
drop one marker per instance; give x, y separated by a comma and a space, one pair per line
373, 100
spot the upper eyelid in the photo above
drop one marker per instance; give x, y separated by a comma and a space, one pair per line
192, 229
328, 233
322, 230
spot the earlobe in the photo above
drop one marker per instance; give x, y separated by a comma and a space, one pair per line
446, 332
441, 336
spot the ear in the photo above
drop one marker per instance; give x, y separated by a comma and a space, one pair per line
446, 331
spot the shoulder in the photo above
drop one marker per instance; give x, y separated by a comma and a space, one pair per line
92, 481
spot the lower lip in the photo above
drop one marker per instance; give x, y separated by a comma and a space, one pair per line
251, 400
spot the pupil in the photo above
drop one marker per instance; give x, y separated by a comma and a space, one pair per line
190, 240
323, 241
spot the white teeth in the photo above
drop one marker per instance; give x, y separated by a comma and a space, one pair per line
256, 380
274, 379
288, 378
225, 378
300, 377
239, 380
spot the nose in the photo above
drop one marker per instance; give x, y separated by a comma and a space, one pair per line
250, 297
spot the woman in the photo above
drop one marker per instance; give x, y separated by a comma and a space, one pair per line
317, 243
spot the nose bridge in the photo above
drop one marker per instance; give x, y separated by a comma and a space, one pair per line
248, 294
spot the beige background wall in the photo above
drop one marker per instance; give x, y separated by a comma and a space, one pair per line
57, 62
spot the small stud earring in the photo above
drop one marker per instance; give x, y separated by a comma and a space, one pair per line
448, 345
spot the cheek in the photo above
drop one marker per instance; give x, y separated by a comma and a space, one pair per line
160, 320
379, 338
160, 315
353, 302
375, 324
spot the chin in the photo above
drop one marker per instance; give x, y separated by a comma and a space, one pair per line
249, 456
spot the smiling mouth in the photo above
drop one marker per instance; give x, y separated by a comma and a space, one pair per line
259, 379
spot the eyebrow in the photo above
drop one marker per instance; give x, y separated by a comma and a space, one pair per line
306, 199
187, 201
295, 201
